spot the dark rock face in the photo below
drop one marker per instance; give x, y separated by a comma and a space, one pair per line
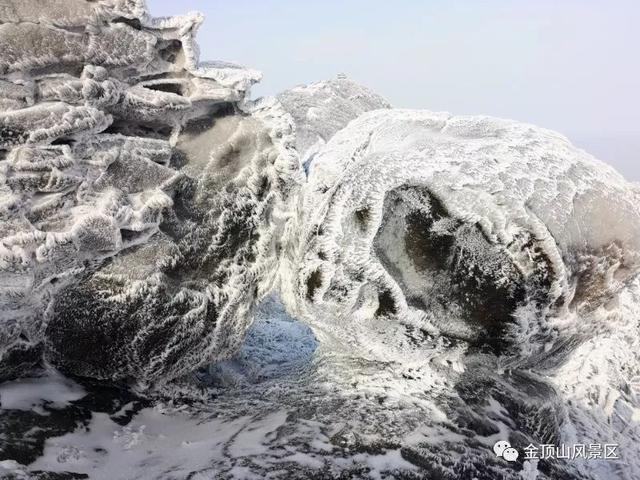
161, 309
138, 189
443, 265
22, 358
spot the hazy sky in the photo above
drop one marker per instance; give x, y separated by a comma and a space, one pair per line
569, 65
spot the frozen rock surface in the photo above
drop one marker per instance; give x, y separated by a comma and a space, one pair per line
435, 285
488, 231
321, 109
139, 192
485, 266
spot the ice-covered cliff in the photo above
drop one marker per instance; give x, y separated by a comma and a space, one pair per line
140, 194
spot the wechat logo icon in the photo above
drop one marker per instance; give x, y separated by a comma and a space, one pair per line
503, 449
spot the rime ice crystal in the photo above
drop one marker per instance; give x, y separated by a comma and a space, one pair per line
138, 192
467, 279
482, 229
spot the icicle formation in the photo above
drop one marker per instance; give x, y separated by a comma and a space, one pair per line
140, 197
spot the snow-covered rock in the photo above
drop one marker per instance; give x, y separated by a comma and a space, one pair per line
467, 280
321, 109
140, 193
483, 266
499, 234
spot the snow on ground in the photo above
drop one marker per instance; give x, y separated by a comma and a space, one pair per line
25, 393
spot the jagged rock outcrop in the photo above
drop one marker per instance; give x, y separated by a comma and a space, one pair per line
498, 234
141, 195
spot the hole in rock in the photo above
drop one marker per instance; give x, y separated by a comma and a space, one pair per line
169, 50
73, 69
132, 22
263, 189
132, 235
142, 77
386, 304
363, 216
277, 345
166, 87
313, 283
63, 141
139, 129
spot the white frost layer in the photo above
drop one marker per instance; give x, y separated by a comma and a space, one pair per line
107, 119
53, 389
173, 445
521, 185
321, 109
600, 383
537, 201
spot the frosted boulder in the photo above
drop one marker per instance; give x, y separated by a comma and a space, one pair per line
141, 195
321, 109
496, 234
